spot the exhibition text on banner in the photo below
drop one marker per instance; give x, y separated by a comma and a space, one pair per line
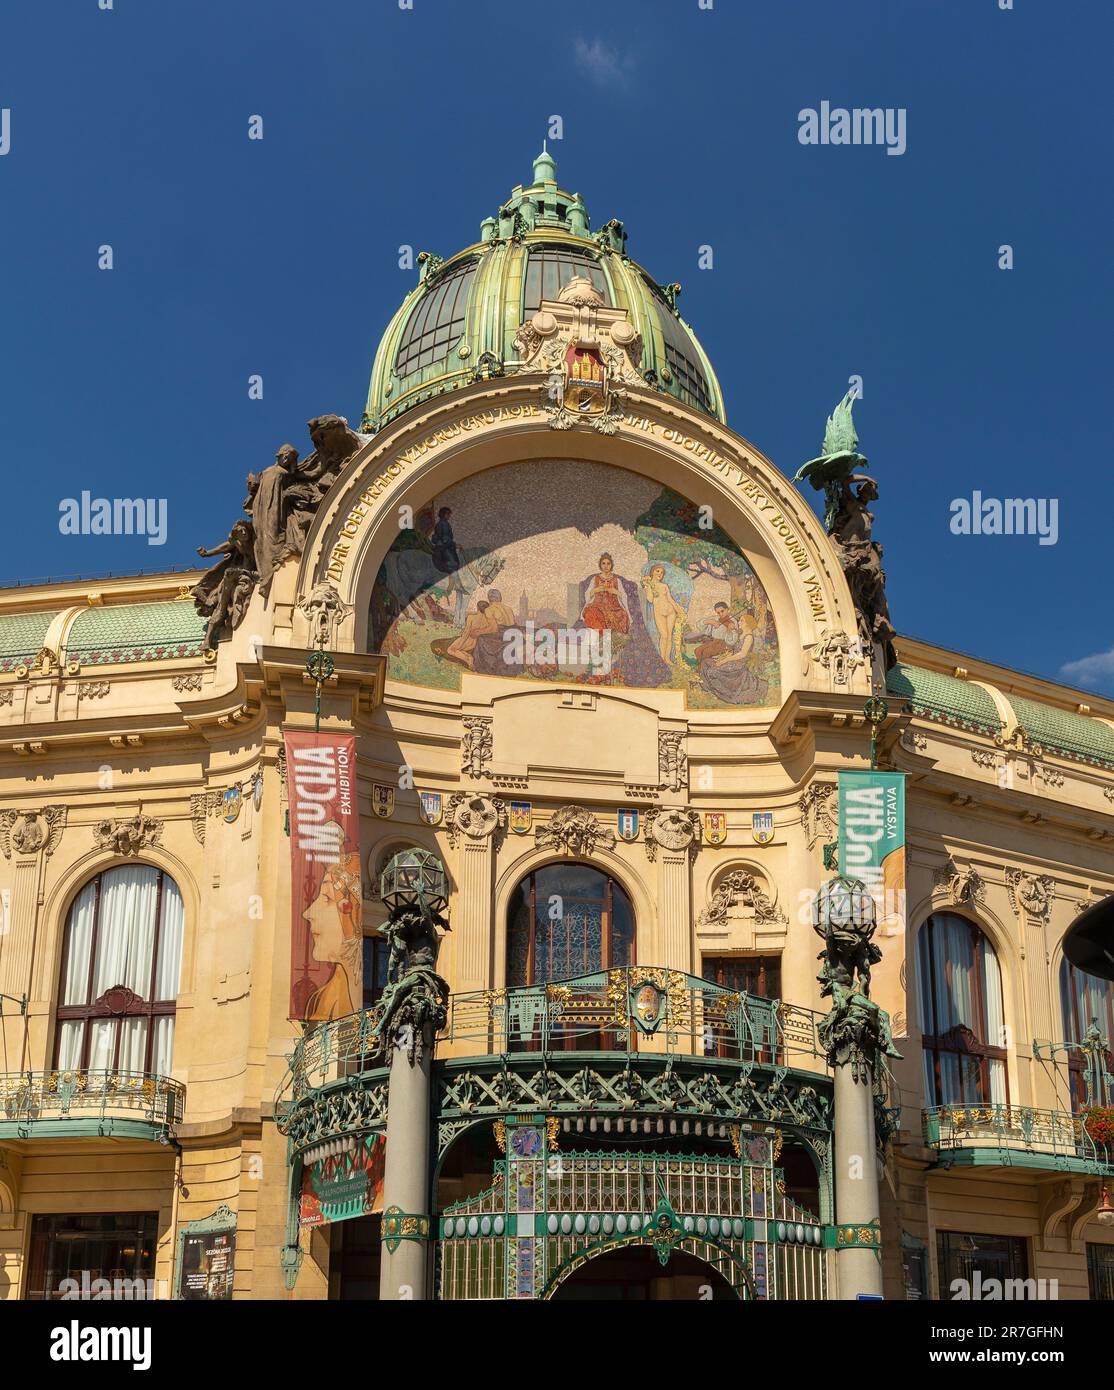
326, 895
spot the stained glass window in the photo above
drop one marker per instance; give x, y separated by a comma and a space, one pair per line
567, 920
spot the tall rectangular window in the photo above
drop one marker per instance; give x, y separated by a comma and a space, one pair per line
964, 1255
1100, 1272
89, 1246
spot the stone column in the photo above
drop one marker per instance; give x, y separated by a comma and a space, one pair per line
858, 1229
406, 1179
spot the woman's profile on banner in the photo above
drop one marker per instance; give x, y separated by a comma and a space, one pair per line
335, 918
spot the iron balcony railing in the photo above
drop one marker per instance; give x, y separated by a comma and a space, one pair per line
29, 1097
636, 1009
1021, 1128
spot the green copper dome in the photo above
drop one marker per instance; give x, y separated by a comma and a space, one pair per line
458, 324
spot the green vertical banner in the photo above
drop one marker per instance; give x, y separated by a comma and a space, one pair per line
872, 850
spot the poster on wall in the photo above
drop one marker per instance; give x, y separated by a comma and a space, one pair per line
344, 1185
872, 849
207, 1260
326, 896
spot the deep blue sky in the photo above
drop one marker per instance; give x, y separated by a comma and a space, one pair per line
385, 126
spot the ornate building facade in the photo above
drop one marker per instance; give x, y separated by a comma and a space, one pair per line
602, 663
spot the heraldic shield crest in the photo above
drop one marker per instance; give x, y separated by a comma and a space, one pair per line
520, 817
647, 1006
231, 802
762, 827
715, 827
382, 800
431, 807
627, 820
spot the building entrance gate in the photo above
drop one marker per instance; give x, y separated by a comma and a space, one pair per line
548, 1212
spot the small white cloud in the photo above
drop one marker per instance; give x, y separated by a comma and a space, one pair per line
601, 63
1096, 672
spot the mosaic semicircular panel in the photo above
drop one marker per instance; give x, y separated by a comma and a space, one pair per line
580, 573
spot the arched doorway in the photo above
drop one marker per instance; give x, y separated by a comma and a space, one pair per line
634, 1274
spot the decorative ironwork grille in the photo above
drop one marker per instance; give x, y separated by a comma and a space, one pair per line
548, 1213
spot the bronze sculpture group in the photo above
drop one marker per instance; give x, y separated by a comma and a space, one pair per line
281, 502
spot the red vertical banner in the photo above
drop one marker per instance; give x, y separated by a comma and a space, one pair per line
326, 896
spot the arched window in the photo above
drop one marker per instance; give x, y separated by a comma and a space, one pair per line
567, 920
960, 989
1085, 999
121, 966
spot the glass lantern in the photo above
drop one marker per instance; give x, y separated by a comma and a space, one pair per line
842, 903
414, 878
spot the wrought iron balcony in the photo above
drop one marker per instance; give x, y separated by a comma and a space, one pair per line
628, 1045
643, 1010
1018, 1136
57, 1104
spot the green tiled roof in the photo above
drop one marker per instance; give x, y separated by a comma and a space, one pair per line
935, 696
123, 632
1062, 731
22, 636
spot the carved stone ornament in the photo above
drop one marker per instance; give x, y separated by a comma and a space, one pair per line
818, 813
325, 611
202, 806
476, 745
183, 683
673, 828
741, 889
575, 830
961, 885
472, 817
1030, 894
839, 655
27, 832
672, 760
128, 836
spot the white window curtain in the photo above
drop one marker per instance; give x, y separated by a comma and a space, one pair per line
947, 958
126, 924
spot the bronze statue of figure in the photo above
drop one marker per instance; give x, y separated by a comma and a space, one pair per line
224, 593
415, 1000
850, 524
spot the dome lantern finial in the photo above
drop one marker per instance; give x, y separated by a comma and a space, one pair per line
545, 169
